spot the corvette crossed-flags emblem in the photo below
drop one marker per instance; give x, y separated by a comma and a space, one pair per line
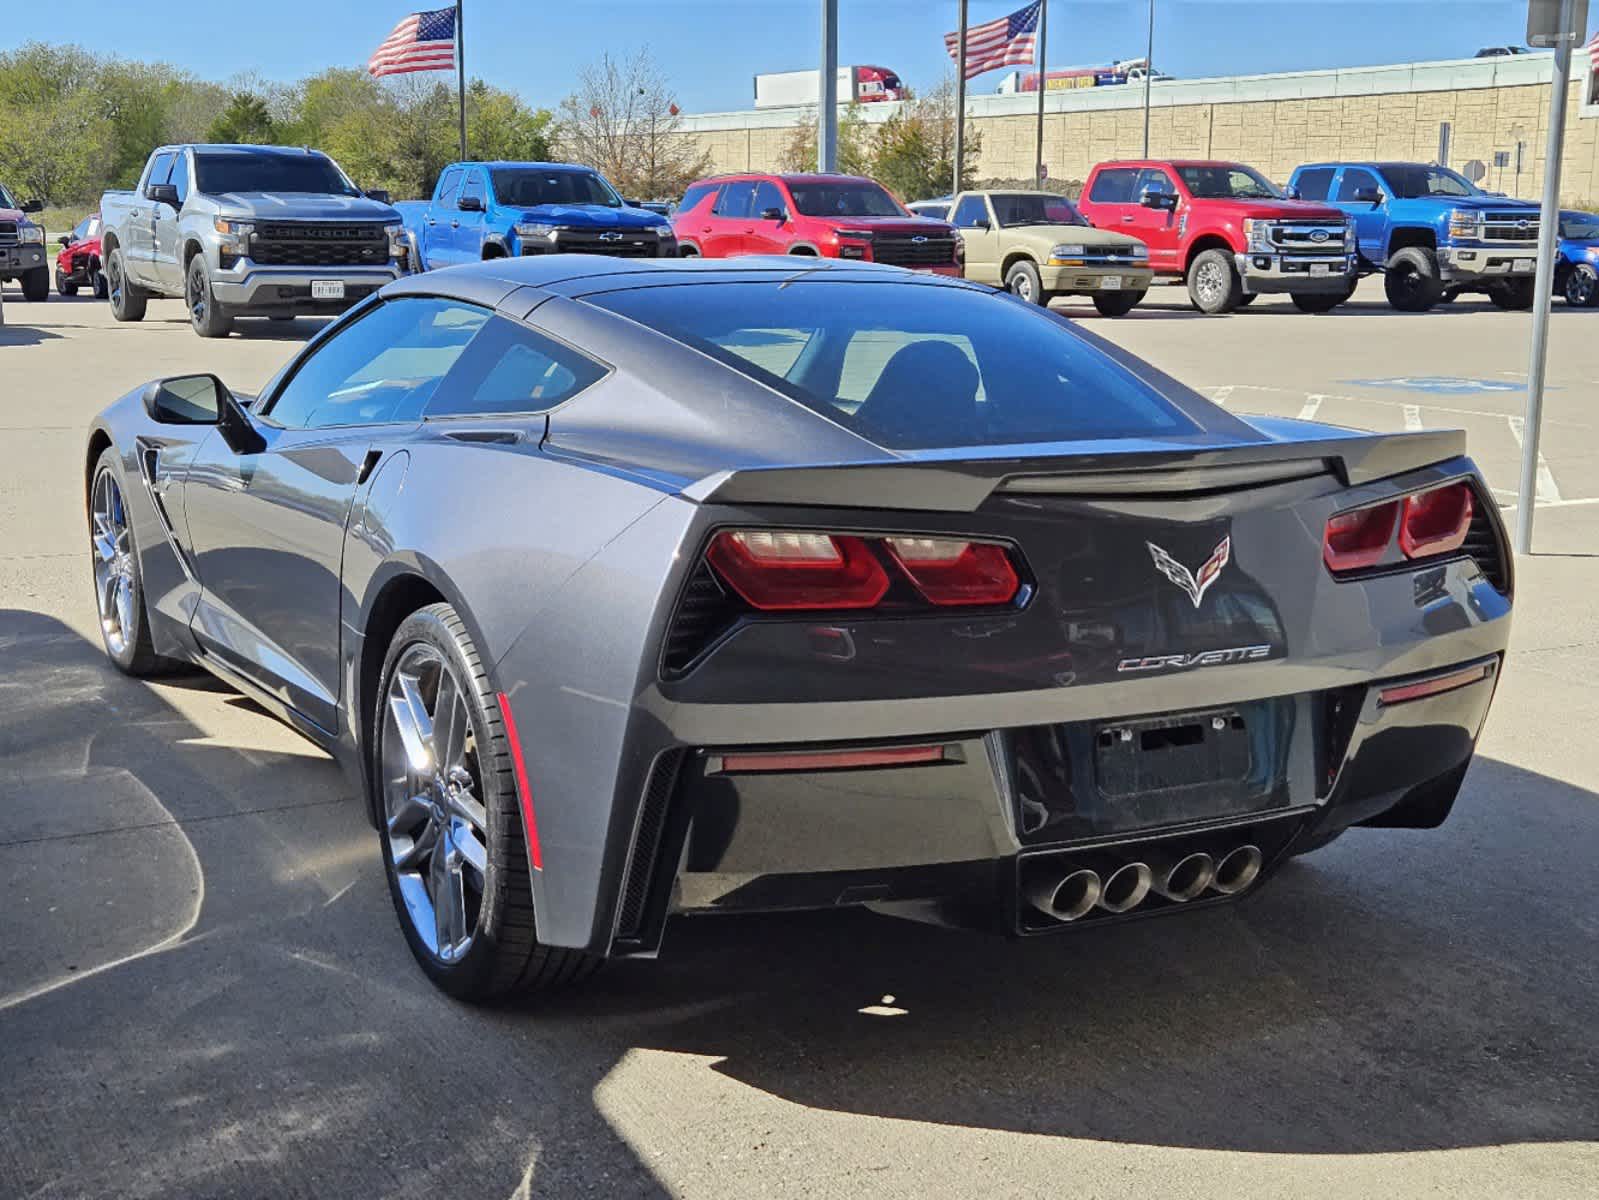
1194, 583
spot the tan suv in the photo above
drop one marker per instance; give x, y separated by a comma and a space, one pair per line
1038, 246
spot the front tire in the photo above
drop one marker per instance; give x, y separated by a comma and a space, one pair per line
36, 284
450, 820
64, 285
1023, 282
1516, 296
1582, 286
1411, 280
118, 582
1213, 283
128, 299
1116, 304
208, 318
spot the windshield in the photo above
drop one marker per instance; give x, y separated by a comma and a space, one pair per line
5, 198
910, 366
1031, 208
1579, 227
218, 174
863, 199
1228, 183
524, 187
1410, 180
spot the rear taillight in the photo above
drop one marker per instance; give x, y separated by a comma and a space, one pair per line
1435, 522
1359, 539
1430, 523
780, 570
949, 572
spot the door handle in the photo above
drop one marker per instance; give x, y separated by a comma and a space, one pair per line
705, 229
1127, 220
136, 212
367, 465
431, 221
455, 224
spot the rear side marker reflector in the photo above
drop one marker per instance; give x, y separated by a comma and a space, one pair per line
832, 760
524, 793
1437, 685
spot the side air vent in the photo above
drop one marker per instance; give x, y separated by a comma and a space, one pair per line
704, 610
647, 871
1482, 543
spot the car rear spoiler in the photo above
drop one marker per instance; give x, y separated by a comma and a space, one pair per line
948, 484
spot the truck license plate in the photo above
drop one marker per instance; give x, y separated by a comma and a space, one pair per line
1321, 268
1524, 264
1111, 283
327, 289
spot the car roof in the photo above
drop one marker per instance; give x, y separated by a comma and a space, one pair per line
241, 148
534, 165
1171, 162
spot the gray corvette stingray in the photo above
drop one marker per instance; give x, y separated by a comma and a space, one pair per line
629, 590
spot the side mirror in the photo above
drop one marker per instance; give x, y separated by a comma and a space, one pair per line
32, 206
1368, 195
773, 214
202, 400
1291, 193
980, 223
163, 193
1151, 196
470, 204
378, 194
65, 239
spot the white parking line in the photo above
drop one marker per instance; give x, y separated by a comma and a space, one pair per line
1312, 403
1223, 394
1547, 493
1412, 417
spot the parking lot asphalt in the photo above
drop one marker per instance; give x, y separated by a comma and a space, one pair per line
203, 991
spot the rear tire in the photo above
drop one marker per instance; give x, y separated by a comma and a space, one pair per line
437, 824
1116, 304
209, 319
1023, 282
1411, 281
36, 284
1318, 302
1516, 296
64, 285
1213, 283
128, 299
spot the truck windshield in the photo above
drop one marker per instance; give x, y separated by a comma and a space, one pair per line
861, 199
219, 174
524, 187
1411, 180
1227, 183
1031, 208
5, 198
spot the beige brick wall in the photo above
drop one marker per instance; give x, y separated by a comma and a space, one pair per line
1275, 136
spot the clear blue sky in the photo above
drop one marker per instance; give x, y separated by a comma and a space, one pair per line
711, 48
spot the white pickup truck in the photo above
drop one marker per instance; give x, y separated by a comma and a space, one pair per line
246, 231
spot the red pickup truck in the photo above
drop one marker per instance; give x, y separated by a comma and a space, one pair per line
1226, 231
831, 216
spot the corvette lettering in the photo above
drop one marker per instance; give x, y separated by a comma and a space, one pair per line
1204, 658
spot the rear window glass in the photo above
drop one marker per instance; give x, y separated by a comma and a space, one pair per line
910, 366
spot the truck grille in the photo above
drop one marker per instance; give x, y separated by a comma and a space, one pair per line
307, 244
1517, 228
8, 233
1319, 238
614, 243
918, 251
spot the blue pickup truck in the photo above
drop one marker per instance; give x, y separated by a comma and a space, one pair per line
1431, 231
509, 209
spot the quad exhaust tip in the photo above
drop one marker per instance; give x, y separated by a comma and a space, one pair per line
1237, 869
1124, 888
1186, 878
1066, 898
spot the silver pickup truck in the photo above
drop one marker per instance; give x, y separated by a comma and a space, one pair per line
246, 231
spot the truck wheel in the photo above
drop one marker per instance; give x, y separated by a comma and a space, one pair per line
1411, 281
205, 314
64, 285
1022, 282
1213, 283
1319, 302
36, 284
1116, 304
97, 283
1516, 295
128, 299
1582, 286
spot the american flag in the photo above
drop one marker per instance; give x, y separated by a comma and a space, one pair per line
1593, 52
424, 41
1000, 43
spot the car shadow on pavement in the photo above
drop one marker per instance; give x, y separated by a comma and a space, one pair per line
1398, 991
14, 333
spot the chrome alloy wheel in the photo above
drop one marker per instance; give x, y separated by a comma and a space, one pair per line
434, 821
1211, 281
1021, 286
114, 579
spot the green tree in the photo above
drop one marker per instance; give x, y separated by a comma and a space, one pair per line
500, 126
856, 149
623, 121
245, 119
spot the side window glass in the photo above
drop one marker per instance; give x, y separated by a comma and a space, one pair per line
694, 195
1314, 182
448, 186
510, 369
768, 197
159, 170
735, 199
1113, 186
1153, 177
971, 213
383, 366
1352, 180
473, 186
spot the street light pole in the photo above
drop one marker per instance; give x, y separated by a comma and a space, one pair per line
1548, 227
960, 101
1043, 77
827, 119
1149, 72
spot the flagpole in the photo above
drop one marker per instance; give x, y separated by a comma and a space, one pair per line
1149, 73
1043, 38
960, 100
460, 74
